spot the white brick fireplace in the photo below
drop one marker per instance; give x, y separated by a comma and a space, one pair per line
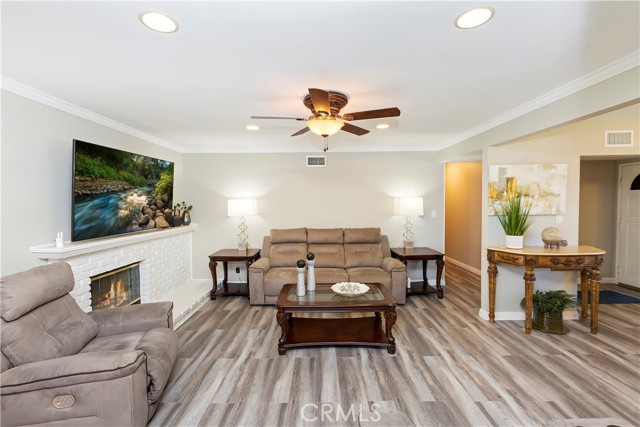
165, 266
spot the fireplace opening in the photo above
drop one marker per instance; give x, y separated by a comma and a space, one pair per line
116, 288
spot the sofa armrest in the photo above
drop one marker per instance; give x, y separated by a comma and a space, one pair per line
106, 388
262, 264
133, 318
398, 272
389, 264
67, 371
257, 270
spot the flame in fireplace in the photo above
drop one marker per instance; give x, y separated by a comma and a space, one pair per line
117, 294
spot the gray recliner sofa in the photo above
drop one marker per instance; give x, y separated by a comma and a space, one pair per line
62, 366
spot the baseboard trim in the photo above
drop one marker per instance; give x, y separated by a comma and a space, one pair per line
463, 265
519, 315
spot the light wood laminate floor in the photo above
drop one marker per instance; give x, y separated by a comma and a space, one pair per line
451, 368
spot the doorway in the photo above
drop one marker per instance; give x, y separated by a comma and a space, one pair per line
628, 236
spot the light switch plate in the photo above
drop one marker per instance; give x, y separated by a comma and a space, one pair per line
433, 213
559, 219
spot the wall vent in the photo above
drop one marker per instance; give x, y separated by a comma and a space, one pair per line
316, 161
618, 138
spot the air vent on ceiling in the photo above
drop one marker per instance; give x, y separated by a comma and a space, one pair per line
618, 138
316, 161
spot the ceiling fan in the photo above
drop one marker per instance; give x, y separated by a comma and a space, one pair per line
325, 119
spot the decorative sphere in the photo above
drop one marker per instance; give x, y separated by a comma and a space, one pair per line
551, 233
311, 256
301, 263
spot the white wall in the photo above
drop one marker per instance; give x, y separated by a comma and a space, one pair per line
563, 145
354, 190
36, 175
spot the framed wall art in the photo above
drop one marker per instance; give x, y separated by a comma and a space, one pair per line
542, 186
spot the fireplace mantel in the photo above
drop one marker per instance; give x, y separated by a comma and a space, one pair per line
73, 249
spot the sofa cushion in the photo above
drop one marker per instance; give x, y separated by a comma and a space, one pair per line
289, 235
22, 292
287, 254
325, 235
56, 329
362, 235
276, 278
369, 275
363, 255
331, 275
127, 341
328, 255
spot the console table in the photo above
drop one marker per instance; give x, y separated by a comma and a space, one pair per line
585, 259
424, 255
231, 255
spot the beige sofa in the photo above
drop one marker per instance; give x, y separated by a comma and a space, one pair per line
64, 367
342, 254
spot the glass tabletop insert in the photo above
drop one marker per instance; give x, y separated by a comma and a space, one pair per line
323, 293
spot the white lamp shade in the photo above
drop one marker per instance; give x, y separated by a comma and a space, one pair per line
242, 207
408, 206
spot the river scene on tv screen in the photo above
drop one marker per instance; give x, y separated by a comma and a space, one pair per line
117, 192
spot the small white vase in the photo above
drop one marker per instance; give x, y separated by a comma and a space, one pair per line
514, 242
300, 289
311, 275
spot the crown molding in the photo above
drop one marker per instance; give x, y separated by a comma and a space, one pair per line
46, 99
613, 69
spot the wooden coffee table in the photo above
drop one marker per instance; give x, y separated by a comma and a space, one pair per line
356, 331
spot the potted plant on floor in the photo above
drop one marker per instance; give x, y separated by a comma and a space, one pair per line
514, 218
548, 307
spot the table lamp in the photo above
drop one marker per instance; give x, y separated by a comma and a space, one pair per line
242, 208
408, 207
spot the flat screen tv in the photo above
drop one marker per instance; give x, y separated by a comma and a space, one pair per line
116, 192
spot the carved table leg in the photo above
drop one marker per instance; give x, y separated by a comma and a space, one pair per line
225, 265
390, 318
214, 276
283, 321
529, 279
584, 291
440, 264
493, 272
595, 298
425, 281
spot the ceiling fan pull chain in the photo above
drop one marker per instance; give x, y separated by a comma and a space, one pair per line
326, 144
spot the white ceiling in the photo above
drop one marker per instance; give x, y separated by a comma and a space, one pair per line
196, 89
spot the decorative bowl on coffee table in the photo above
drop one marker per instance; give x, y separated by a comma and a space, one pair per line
350, 289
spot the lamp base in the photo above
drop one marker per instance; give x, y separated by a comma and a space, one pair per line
408, 244
243, 246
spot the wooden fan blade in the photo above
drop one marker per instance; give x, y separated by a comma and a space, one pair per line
301, 131
372, 114
283, 118
320, 100
354, 129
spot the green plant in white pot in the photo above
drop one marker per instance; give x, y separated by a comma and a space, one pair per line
514, 218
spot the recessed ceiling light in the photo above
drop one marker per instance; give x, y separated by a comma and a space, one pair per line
382, 126
158, 21
474, 18
252, 127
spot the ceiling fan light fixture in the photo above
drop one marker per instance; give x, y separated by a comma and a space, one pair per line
382, 126
158, 21
474, 18
325, 127
252, 127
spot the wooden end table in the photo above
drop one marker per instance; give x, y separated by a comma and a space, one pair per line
305, 331
424, 255
231, 255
